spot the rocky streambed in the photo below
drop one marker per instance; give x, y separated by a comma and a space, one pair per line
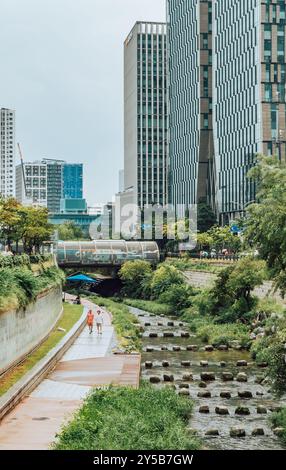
231, 404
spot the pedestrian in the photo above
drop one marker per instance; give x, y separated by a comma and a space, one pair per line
99, 322
90, 320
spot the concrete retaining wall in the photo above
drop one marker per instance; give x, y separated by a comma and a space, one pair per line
22, 330
203, 279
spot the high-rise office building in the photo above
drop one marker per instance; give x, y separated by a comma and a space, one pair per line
249, 94
72, 181
48, 182
145, 114
7, 152
32, 189
190, 91
246, 74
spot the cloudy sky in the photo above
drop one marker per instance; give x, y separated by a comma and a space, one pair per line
62, 71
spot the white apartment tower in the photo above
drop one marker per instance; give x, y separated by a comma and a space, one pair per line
7, 152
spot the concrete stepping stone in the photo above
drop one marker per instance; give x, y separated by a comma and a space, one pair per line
223, 364
205, 394
237, 432
185, 363
165, 364
242, 411
212, 433
225, 394
177, 348
242, 364
204, 363
207, 376
164, 348
153, 335
149, 349
170, 323
192, 347
184, 392
258, 432
222, 347
209, 348
222, 410
184, 385
147, 324
155, 380
185, 334
168, 378
227, 377
202, 385
261, 410
168, 334
245, 394
188, 377
262, 365
148, 365
242, 377
204, 409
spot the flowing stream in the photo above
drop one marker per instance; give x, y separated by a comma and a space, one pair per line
183, 366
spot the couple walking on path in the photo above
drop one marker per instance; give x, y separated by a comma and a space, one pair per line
98, 320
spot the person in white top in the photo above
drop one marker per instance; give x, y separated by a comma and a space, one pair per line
99, 322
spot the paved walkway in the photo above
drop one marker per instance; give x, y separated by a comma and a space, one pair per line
89, 363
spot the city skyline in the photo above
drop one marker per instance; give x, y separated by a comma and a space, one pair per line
70, 119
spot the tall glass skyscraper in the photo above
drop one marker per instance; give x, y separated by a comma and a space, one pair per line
72, 181
7, 152
249, 94
227, 74
190, 89
145, 114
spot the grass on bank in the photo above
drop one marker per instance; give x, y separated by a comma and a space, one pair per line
279, 421
70, 316
128, 419
150, 306
20, 285
209, 265
126, 325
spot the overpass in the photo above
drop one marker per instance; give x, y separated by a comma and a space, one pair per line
104, 253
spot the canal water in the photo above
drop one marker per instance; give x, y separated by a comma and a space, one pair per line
186, 367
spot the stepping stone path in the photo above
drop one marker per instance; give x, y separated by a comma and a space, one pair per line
218, 393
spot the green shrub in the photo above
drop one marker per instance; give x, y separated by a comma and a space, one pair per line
177, 296
128, 419
136, 276
164, 278
150, 306
279, 421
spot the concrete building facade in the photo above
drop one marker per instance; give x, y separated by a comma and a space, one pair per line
7, 152
146, 114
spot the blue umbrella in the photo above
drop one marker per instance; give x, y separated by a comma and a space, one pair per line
82, 278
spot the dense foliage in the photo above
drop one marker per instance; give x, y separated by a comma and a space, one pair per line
266, 221
127, 419
28, 225
70, 231
19, 286
136, 276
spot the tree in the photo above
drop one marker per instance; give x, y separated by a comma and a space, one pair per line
10, 219
36, 228
69, 231
135, 276
164, 278
224, 238
266, 219
206, 217
204, 240
234, 285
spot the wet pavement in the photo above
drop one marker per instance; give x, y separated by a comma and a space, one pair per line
89, 363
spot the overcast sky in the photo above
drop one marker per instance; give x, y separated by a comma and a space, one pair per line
62, 71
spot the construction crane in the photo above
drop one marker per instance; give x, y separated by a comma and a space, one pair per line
23, 169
